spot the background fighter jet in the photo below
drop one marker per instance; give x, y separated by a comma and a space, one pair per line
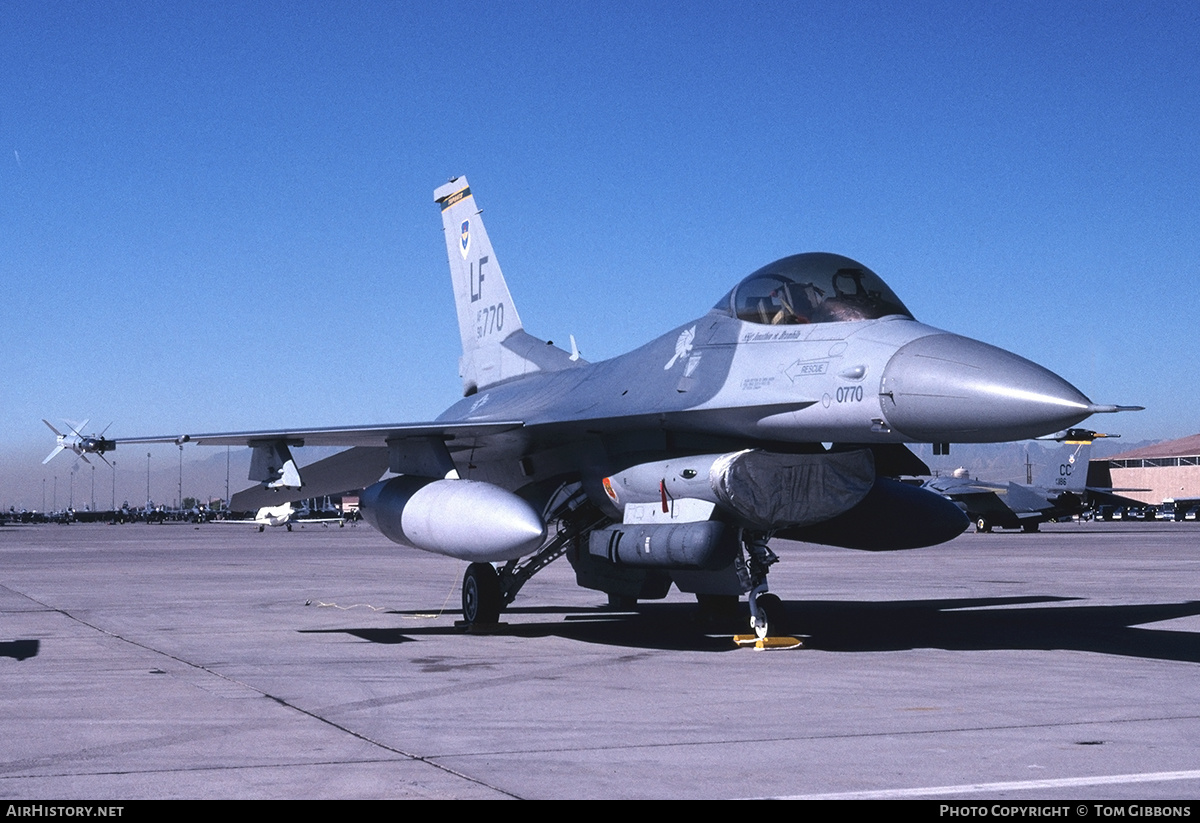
677, 462
1058, 490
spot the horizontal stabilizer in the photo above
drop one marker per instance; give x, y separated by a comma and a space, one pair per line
1023, 499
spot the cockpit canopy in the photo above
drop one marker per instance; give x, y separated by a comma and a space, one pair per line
811, 288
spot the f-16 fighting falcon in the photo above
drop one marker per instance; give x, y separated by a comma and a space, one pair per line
779, 413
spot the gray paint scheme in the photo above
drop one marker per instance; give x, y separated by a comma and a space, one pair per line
533, 418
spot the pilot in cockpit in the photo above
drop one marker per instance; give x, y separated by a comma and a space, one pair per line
786, 293
799, 303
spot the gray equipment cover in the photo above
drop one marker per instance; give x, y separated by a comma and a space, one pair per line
775, 491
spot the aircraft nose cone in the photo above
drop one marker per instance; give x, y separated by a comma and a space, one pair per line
947, 388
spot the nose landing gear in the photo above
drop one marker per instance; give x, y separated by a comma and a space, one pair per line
766, 609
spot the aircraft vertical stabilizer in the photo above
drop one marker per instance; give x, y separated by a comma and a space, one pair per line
495, 345
1067, 472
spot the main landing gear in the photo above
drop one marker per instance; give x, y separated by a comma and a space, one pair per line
482, 599
486, 590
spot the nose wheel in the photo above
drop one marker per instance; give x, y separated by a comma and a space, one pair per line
766, 615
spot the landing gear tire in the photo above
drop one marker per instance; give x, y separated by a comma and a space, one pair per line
982, 525
770, 609
481, 598
1029, 528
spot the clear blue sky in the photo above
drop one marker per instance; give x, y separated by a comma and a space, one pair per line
220, 216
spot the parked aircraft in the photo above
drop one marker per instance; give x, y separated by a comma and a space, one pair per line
677, 462
285, 515
1058, 490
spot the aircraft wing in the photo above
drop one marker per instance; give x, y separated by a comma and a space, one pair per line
980, 500
419, 448
458, 436
335, 436
954, 488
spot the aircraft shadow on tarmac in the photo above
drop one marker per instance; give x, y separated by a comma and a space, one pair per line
969, 624
19, 649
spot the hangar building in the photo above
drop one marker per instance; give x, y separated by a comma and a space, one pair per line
1166, 470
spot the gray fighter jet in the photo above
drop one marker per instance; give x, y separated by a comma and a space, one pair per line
780, 412
1058, 490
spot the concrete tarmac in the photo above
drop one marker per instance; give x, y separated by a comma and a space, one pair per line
216, 662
